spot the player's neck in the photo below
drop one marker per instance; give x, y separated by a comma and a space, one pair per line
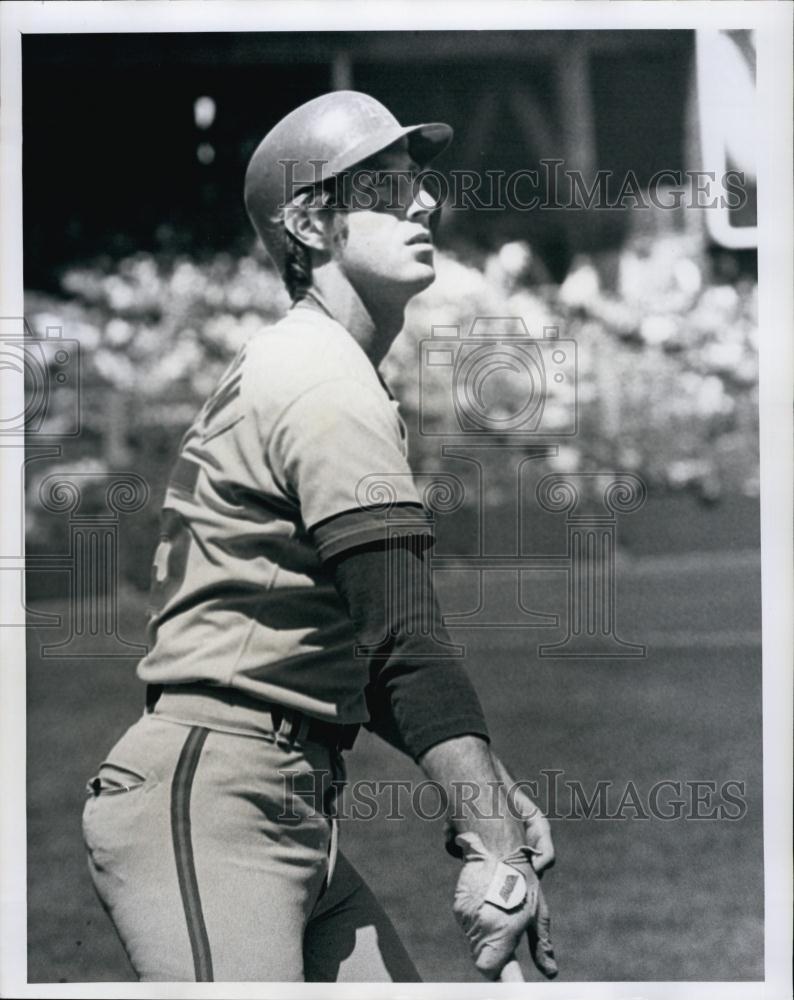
373, 325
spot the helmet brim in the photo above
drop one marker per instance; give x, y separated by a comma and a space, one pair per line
428, 141
425, 143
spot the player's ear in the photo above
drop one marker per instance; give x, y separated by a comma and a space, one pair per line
307, 225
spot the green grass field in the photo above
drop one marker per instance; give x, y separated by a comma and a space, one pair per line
632, 899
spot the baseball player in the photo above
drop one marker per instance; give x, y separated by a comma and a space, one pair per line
210, 827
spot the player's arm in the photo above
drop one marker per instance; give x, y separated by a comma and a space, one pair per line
417, 697
425, 704
333, 447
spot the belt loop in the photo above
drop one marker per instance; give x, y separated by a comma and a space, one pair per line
276, 721
283, 724
293, 726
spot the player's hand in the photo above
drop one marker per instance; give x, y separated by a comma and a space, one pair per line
497, 901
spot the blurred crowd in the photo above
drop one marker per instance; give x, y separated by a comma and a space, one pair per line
666, 349
667, 357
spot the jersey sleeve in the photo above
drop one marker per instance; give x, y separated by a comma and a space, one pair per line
337, 451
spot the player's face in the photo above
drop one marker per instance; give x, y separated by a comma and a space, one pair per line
383, 243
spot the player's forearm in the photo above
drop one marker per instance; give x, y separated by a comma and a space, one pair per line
476, 792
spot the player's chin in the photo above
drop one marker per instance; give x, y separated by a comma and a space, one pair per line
420, 274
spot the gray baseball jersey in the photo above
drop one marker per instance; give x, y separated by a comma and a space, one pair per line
297, 426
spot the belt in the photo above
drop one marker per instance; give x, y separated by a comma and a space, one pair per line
293, 725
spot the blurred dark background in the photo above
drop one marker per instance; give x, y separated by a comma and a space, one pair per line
119, 169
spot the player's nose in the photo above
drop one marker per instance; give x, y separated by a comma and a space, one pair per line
423, 204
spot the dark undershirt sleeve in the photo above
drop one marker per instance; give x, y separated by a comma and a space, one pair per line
416, 696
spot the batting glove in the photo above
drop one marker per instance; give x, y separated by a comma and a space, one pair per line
497, 901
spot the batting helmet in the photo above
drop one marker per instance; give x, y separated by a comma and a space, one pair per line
317, 141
